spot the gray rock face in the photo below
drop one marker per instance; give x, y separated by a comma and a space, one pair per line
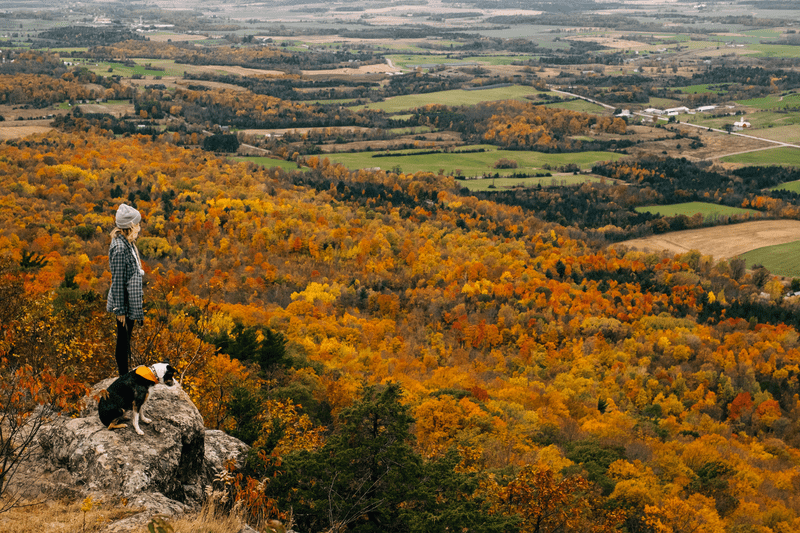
221, 448
163, 471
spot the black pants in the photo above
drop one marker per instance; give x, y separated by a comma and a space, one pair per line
123, 351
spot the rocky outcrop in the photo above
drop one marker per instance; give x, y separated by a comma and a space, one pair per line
164, 471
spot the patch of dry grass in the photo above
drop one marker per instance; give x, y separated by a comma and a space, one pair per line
213, 516
94, 516
63, 517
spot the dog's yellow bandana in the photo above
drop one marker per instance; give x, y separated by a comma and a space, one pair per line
146, 373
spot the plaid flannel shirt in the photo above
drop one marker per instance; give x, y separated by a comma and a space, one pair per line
125, 297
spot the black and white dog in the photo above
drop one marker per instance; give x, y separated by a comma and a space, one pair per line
129, 392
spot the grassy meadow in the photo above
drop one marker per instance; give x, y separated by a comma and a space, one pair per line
453, 98
775, 50
793, 186
579, 105
559, 180
159, 67
780, 259
788, 133
781, 156
408, 61
689, 209
473, 164
703, 88
791, 100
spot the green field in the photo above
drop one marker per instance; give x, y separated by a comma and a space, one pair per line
775, 50
559, 180
764, 33
699, 45
793, 186
170, 68
786, 133
709, 211
703, 88
412, 130
166, 67
579, 105
782, 156
780, 259
474, 164
503, 59
407, 61
662, 103
453, 98
774, 102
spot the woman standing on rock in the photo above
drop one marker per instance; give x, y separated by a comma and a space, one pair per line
125, 296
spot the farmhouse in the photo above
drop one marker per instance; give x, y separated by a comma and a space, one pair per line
739, 125
706, 108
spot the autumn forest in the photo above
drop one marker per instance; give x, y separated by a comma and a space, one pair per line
513, 343
488, 360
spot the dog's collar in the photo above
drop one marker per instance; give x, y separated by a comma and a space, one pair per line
147, 373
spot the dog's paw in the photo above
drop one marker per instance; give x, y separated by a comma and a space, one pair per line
116, 425
145, 420
139, 431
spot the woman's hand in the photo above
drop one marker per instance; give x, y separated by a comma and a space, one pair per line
121, 318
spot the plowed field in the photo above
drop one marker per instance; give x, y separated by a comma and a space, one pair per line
721, 241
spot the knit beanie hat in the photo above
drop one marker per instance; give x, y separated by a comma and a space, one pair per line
127, 216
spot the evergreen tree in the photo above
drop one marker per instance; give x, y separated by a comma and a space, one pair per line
368, 478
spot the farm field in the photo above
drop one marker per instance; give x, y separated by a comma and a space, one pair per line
453, 98
782, 156
561, 180
788, 133
793, 186
168, 68
20, 130
505, 59
779, 259
409, 61
720, 89
662, 103
721, 242
774, 102
775, 50
471, 164
579, 105
693, 208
